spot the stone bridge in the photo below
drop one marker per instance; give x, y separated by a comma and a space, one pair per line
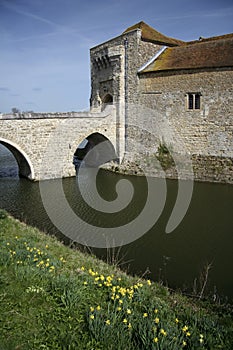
44, 144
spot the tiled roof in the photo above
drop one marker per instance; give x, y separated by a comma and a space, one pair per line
152, 35
205, 53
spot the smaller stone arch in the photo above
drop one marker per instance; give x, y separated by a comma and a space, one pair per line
99, 155
25, 166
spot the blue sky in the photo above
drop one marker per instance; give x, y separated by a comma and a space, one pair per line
44, 60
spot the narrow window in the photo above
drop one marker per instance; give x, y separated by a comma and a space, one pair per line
194, 100
190, 101
197, 101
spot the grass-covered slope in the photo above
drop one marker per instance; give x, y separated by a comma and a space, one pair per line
53, 297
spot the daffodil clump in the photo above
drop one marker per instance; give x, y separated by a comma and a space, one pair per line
139, 321
21, 252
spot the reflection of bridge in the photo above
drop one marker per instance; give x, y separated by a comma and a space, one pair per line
44, 144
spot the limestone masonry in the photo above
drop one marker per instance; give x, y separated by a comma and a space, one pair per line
169, 93
161, 102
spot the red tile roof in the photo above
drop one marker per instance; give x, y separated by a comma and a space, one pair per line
152, 35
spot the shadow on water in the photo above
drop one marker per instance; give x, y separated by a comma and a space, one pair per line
178, 259
8, 164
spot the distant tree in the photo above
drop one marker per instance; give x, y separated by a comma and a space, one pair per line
15, 110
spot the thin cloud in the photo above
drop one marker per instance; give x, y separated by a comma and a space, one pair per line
4, 89
27, 14
30, 37
37, 89
224, 12
58, 27
30, 103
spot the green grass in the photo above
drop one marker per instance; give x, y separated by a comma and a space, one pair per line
54, 297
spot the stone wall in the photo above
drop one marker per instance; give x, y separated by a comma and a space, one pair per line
205, 131
204, 168
204, 135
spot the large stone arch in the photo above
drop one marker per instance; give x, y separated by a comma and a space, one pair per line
25, 166
99, 155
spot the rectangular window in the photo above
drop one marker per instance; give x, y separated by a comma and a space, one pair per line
194, 100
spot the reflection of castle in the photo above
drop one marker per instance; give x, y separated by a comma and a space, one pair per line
188, 84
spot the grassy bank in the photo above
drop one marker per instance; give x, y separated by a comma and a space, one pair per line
53, 297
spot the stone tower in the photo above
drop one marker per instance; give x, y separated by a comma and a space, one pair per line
114, 71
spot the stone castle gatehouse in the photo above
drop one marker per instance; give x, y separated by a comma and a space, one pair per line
171, 92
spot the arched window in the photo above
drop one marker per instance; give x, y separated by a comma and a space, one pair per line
107, 100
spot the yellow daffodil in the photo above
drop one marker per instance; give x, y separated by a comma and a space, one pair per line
109, 278
201, 340
155, 340
162, 331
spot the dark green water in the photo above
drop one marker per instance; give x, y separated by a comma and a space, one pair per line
205, 235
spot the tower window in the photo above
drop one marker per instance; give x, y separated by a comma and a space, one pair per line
193, 100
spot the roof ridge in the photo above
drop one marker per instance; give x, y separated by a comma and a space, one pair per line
152, 35
213, 38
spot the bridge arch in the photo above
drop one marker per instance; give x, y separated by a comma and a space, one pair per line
25, 166
99, 155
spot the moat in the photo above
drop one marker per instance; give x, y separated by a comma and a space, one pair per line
178, 259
